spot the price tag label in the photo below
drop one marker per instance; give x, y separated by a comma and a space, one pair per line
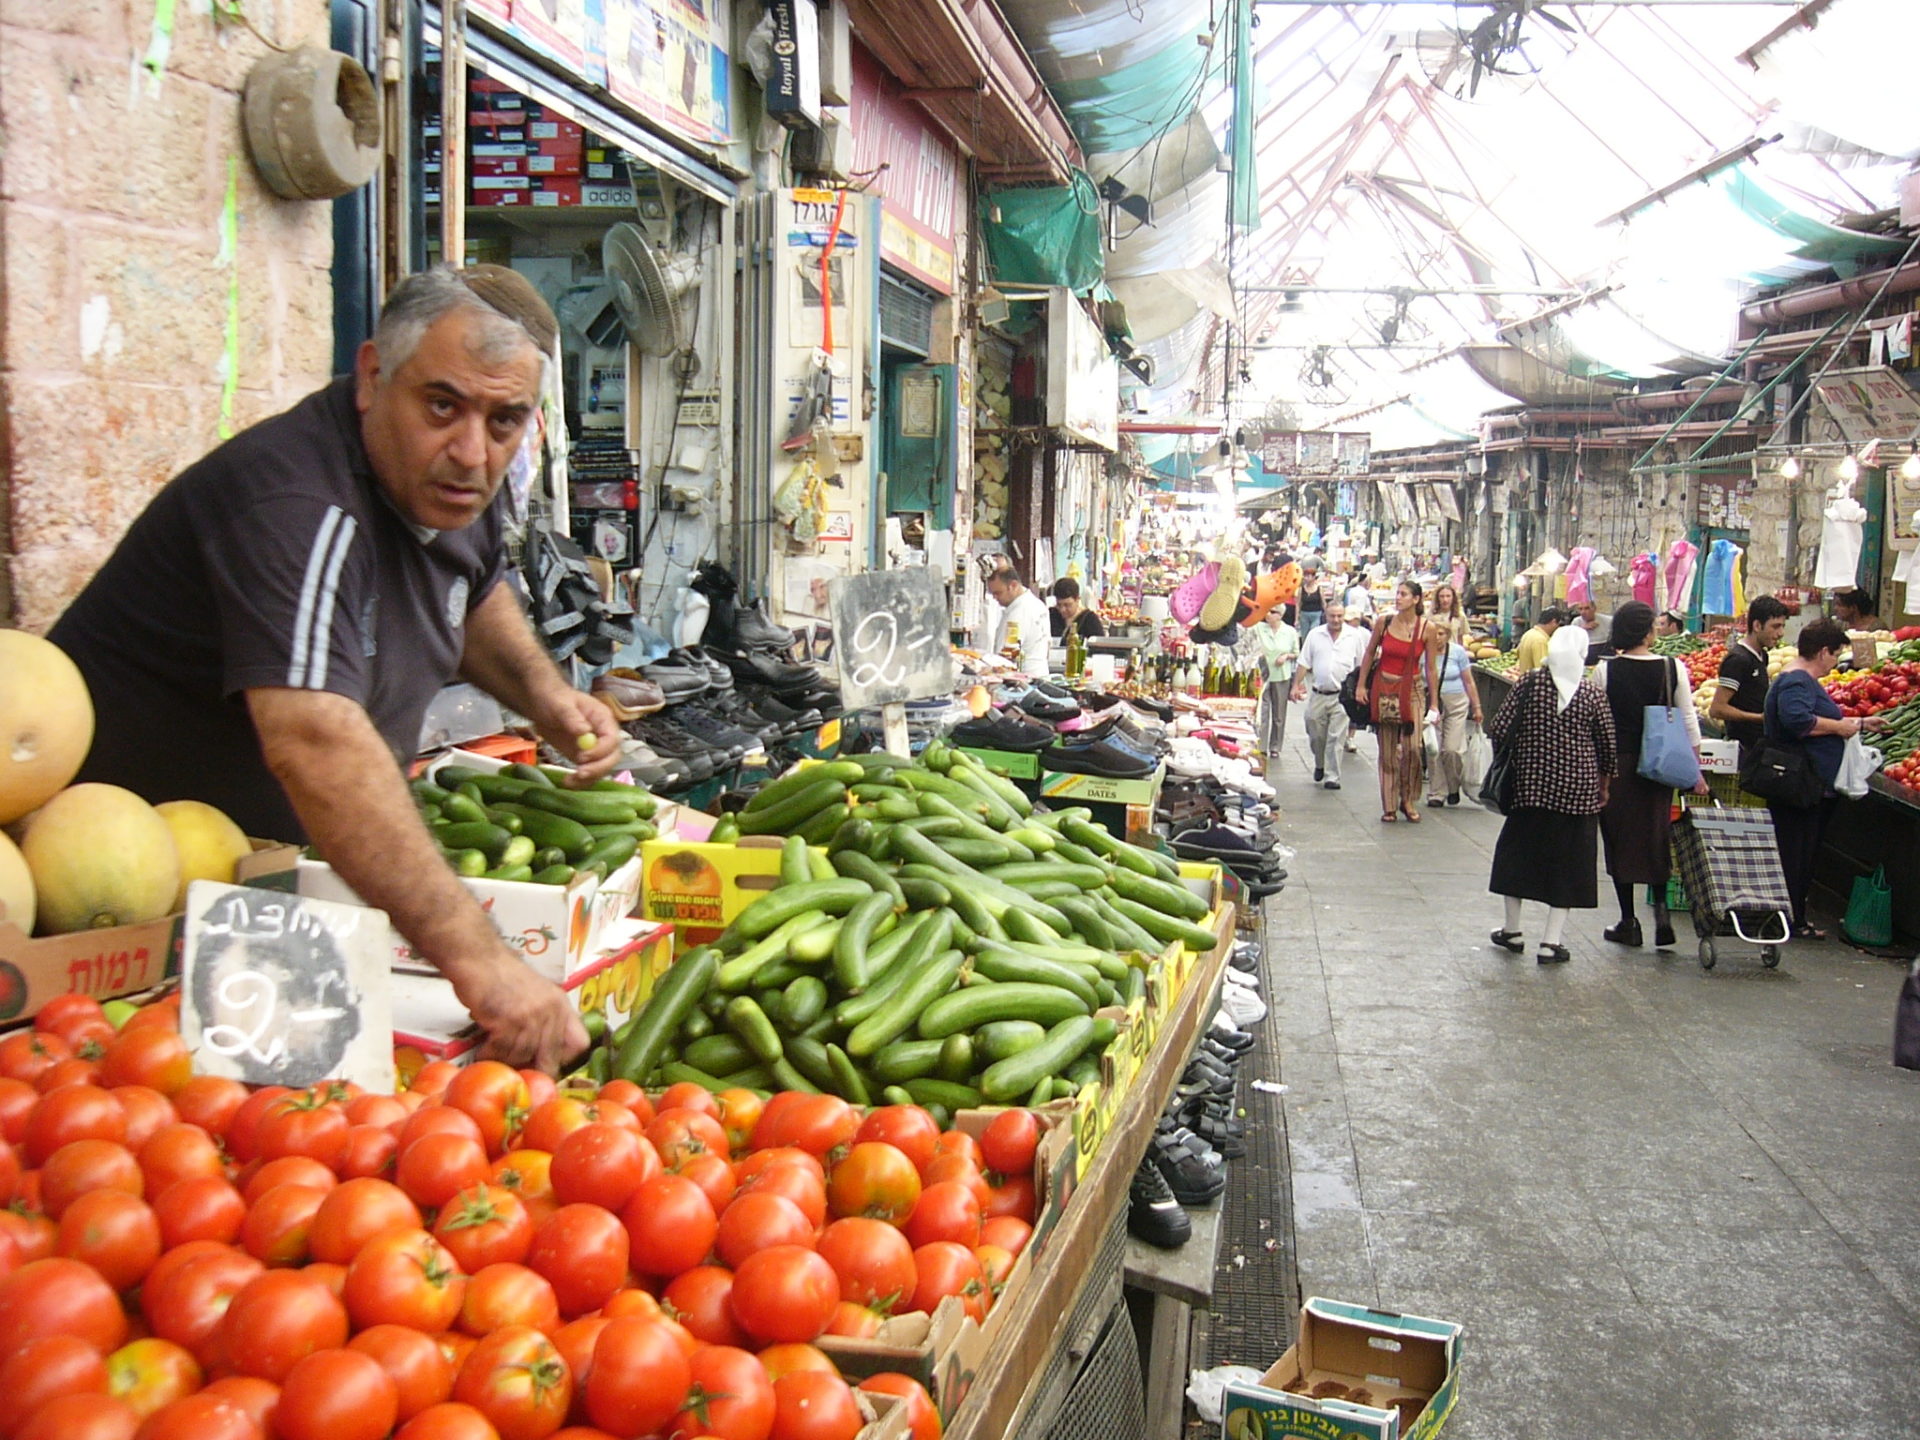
890, 634
281, 989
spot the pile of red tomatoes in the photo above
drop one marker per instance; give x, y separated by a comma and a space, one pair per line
480, 1257
1877, 691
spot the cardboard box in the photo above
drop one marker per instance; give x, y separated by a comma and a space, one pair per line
1720, 757
480, 117
122, 960
492, 166
545, 164
555, 190
1383, 1356
499, 199
501, 182
1014, 764
539, 129
1104, 789
700, 888
481, 137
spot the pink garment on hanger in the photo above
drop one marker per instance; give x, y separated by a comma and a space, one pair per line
1641, 578
1579, 591
1679, 572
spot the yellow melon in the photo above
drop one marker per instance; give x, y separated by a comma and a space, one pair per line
46, 722
100, 856
210, 844
16, 886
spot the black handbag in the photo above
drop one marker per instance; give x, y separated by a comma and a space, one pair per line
1496, 790
1779, 771
1357, 714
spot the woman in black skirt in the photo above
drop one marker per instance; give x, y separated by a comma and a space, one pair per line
1560, 731
1637, 824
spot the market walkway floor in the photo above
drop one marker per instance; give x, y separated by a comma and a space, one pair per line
1661, 1201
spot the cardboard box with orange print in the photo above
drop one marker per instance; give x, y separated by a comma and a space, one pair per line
699, 887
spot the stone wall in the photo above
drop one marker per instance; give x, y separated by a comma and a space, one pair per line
154, 297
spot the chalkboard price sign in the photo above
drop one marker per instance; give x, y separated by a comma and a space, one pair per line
890, 634
280, 989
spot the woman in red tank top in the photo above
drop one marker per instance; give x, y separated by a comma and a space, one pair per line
1397, 696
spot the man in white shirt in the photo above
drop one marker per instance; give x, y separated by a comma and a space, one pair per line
1329, 655
1023, 619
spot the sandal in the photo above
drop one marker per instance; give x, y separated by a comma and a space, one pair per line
1413, 815
1388, 818
1808, 932
1508, 940
1553, 955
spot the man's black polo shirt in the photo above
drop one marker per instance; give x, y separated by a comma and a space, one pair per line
1745, 673
275, 561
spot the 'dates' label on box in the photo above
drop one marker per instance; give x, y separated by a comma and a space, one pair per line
281, 989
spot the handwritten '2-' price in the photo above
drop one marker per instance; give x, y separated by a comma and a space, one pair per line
883, 656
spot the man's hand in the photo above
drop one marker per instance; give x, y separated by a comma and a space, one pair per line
503, 658
571, 717
528, 1020
1297, 694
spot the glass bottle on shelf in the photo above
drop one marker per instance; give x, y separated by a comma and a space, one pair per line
1076, 653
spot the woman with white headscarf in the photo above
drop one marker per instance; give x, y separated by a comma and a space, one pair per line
1559, 729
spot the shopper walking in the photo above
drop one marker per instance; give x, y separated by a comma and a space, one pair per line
1560, 732
1398, 691
1740, 692
1800, 712
1459, 708
1312, 595
1279, 657
1637, 825
1326, 659
1445, 614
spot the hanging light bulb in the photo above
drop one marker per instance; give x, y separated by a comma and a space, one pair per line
1848, 469
1910, 467
1790, 468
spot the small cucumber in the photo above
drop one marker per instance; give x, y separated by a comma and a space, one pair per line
795, 810
520, 851
461, 809
857, 865
532, 774
998, 962
505, 819
739, 972
1175, 900
470, 863
896, 1095
999, 1039
814, 944
803, 1001
1009, 1079
1013, 1000
907, 1060
956, 1058
794, 869
797, 780
559, 874
1165, 927
725, 831
678, 1072
482, 835
923, 894
719, 1053
517, 874
924, 983
847, 1079
588, 807
852, 967
697, 1026
646, 1037
747, 1020
569, 837
774, 909
930, 1091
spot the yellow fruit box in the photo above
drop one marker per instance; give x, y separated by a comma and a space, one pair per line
700, 887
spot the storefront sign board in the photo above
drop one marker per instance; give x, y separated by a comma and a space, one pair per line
915, 170
1083, 378
668, 60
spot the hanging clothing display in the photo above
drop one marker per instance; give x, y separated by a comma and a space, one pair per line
1719, 579
1903, 573
1640, 578
1842, 533
1579, 589
1679, 572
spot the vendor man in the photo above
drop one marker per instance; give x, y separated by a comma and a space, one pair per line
268, 635
1532, 650
1022, 621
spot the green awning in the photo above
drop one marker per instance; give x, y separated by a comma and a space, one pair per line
1847, 251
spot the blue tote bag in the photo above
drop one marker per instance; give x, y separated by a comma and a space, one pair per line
1666, 754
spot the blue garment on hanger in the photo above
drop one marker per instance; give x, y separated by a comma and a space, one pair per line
1717, 580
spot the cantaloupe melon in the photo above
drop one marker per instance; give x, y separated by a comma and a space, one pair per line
16, 886
209, 843
100, 856
46, 722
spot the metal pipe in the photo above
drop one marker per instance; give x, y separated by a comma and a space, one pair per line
1727, 370
1416, 290
1903, 279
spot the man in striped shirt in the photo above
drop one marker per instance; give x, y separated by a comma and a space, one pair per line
269, 633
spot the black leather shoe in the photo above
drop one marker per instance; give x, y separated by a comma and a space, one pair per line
1627, 933
1553, 955
1101, 758
1663, 937
1153, 1214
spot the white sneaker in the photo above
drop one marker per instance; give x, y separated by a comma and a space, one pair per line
1241, 980
1246, 1008
1223, 1026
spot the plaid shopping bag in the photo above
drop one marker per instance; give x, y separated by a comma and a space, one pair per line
1729, 861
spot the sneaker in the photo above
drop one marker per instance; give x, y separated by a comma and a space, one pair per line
1103, 757
1243, 979
1194, 1172
1153, 1215
1333, 784
1246, 1008
1222, 1029
714, 732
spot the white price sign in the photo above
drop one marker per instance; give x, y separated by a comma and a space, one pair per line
890, 634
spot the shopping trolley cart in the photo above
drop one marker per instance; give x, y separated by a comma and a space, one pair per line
1730, 867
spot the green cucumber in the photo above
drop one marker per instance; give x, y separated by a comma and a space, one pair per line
820, 829
782, 972
1082, 1072
956, 1057
588, 807
814, 945
857, 865
851, 965
1165, 927
976, 853
795, 809
520, 851
505, 819
482, 835
471, 864
1086, 877
678, 1072
803, 1001
1127, 935
739, 972
847, 1079
855, 833
516, 874
747, 1020
461, 809
560, 874
698, 1025
638, 829
1011, 795
896, 1095
532, 774
774, 909
931, 1091
719, 1053
924, 983
809, 1057
645, 1038
923, 894
1007, 1080
783, 1076
1175, 900
613, 852
1052, 891
907, 1060
1021, 925
1012, 1000
569, 837
926, 936
428, 793
751, 1077
998, 1039
799, 779
1087, 922
1098, 839
725, 831
794, 869
1134, 987
998, 962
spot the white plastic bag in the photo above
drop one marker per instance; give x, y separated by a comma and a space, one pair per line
1857, 765
1479, 756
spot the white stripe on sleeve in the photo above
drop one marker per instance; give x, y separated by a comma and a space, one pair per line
323, 613
309, 589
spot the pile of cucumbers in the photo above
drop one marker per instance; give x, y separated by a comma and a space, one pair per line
519, 824
948, 947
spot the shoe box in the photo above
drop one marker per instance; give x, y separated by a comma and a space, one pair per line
1354, 1374
1019, 766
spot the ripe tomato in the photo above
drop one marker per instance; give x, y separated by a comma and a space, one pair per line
421, 1375
304, 1122
907, 1128
1006, 1231
540, 1085
731, 1397
252, 1396
487, 1225
575, 1341
876, 1180
277, 1320
147, 1111
685, 1095
670, 1226
404, 1277
51, 1366
150, 1373
80, 1417
795, 1183
115, 1233
85, 1167
179, 1152
32, 1234
755, 1221
1012, 1196
996, 1264
784, 1293
958, 1168
10, 1175
186, 1303
26, 1055
872, 1260
923, 1418
946, 1268
62, 1009
1009, 1143
629, 1097
958, 1142
370, 1152
517, 1380
582, 1251
553, 1119
151, 1055
355, 1212
336, 1395
434, 1077
814, 1405
278, 1224
288, 1170
243, 1124
785, 1358
818, 1124
73, 1112
701, 1299
497, 1099
381, 1110
80, 1070
714, 1176
59, 1296
199, 1416
449, 1421
508, 1294
438, 1120
438, 1166
739, 1113
947, 1211
857, 1322
601, 1164
680, 1134
753, 1164
17, 1099
638, 1379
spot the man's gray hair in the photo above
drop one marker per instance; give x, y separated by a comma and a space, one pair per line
514, 313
